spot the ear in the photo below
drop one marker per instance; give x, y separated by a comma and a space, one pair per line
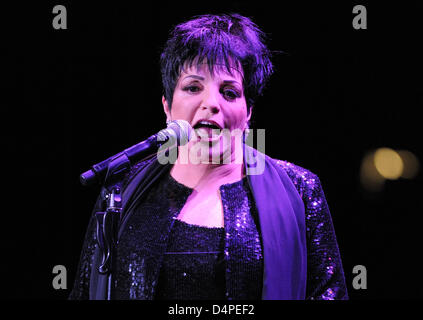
166, 109
249, 117
249, 114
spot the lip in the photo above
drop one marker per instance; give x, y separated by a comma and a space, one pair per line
209, 120
210, 139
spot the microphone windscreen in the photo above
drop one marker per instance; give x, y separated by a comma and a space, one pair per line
182, 131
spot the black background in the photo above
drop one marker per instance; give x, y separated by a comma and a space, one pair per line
74, 97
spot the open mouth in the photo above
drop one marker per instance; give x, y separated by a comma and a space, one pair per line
208, 129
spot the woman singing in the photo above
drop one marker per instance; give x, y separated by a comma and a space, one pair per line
211, 225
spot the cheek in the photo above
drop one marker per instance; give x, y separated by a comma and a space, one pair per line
238, 117
182, 108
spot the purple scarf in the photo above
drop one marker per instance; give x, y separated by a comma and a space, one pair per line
282, 223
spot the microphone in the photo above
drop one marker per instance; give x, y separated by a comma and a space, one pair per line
177, 130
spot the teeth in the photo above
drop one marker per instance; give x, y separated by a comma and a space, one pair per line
208, 123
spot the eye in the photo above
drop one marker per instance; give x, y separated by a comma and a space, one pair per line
192, 88
230, 94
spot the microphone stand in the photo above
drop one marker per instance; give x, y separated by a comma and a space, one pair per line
108, 220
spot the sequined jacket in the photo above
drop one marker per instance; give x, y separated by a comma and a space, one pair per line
325, 276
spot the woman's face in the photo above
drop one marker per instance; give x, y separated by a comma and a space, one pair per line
217, 98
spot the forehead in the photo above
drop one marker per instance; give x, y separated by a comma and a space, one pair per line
219, 71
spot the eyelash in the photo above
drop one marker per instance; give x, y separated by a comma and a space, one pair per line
235, 94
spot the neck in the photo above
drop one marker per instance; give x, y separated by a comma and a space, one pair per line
208, 176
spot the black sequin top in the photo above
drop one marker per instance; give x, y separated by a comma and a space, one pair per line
193, 265
145, 270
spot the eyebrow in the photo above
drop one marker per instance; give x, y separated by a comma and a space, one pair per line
202, 78
195, 77
230, 81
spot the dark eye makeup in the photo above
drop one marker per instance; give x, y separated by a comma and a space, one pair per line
229, 92
191, 88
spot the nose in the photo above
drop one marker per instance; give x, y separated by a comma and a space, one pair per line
211, 101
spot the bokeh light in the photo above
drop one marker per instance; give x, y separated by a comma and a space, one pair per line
411, 164
370, 178
388, 163
384, 164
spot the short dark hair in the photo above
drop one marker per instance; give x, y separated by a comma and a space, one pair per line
217, 39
